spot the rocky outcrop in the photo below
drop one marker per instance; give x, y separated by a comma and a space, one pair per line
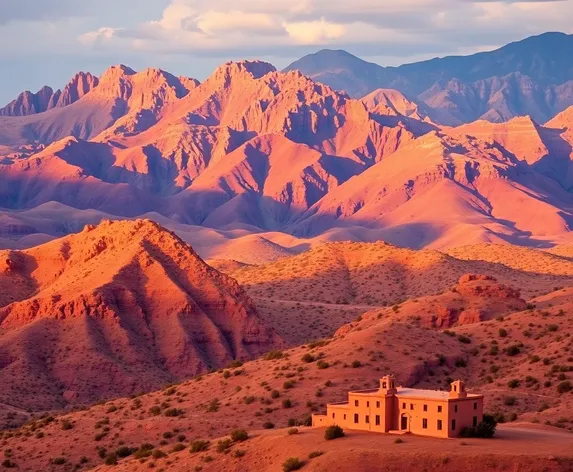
46, 98
138, 299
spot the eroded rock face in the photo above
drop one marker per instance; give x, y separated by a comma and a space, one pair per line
128, 303
472, 277
28, 103
485, 286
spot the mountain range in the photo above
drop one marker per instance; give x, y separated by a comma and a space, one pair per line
529, 77
255, 151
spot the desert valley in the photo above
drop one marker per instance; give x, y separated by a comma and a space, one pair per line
190, 270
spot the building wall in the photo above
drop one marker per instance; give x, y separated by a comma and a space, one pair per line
422, 416
338, 415
466, 412
368, 412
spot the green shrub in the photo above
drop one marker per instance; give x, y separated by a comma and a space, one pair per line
59, 461
485, 429
66, 424
287, 403
178, 447
144, 450
199, 445
268, 425
314, 454
158, 454
322, 364
564, 387
248, 400
111, 459
292, 431
223, 445
356, 364
509, 401
308, 358
333, 432
513, 350
513, 383
464, 339
292, 463
239, 435
502, 333
238, 453
124, 451
273, 355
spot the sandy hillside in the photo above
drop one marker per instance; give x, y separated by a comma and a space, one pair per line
515, 448
521, 360
383, 274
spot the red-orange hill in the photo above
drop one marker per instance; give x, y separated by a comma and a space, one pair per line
113, 310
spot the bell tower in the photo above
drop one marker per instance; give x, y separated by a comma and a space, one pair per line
387, 385
458, 389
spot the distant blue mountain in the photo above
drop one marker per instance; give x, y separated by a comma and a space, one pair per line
533, 76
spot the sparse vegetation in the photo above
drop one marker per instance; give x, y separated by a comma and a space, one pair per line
238, 435
333, 432
485, 429
292, 463
199, 445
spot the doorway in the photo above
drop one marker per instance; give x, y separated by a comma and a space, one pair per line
404, 422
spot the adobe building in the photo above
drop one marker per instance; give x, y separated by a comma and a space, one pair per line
409, 410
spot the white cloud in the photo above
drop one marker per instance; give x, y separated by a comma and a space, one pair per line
102, 34
213, 22
170, 32
314, 32
435, 26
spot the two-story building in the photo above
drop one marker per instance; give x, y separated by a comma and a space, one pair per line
390, 408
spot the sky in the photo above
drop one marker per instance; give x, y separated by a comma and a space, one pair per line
45, 42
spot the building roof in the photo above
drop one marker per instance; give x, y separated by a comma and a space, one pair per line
421, 393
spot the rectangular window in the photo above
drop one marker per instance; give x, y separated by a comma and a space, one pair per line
344, 416
367, 419
453, 425
367, 404
377, 404
475, 422
411, 406
439, 408
475, 405
355, 418
377, 420
404, 406
355, 402
456, 408
439, 425
425, 407
425, 423
333, 415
